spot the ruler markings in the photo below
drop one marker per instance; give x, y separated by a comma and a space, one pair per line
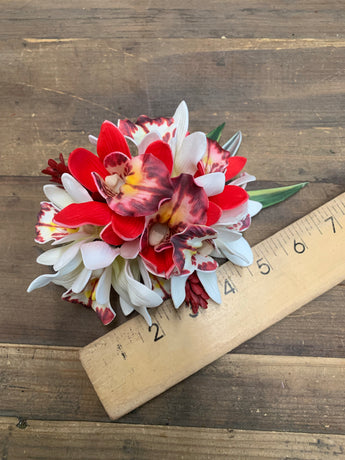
249, 270
341, 211
148, 362
335, 211
313, 218
282, 245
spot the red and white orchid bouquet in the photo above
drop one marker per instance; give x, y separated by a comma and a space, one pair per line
147, 224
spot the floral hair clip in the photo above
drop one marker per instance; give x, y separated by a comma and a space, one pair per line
148, 224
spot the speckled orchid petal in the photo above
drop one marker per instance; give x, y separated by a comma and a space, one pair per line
191, 249
188, 205
161, 286
215, 158
46, 229
165, 127
140, 191
88, 298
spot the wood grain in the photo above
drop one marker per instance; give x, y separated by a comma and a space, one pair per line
85, 440
63, 91
164, 19
273, 70
238, 391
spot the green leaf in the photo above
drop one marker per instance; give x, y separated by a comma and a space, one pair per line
271, 196
216, 133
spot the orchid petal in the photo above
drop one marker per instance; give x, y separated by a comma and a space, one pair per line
254, 207
75, 236
215, 159
69, 252
146, 185
190, 153
181, 119
51, 256
238, 252
139, 294
75, 190
233, 144
234, 167
243, 180
162, 151
178, 289
81, 281
147, 140
127, 309
127, 227
46, 230
210, 284
186, 245
212, 183
109, 236
41, 281
110, 140
82, 163
91, 212
226, 234
165, 127
92, 139
214, 213
130, 249
103, 286
57, 195
98, 254
188, 204
231, 197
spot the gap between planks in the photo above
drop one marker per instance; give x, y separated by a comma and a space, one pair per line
260, 392
87, 440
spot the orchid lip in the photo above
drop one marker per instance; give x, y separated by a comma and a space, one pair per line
158, 233
114, 182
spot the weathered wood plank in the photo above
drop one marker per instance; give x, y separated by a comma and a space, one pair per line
152, 19
238, 391
41, 317
86, 440
54, 94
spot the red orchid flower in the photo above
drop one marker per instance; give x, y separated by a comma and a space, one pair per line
132, 187
177, 221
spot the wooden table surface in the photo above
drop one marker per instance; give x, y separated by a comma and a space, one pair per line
273, 69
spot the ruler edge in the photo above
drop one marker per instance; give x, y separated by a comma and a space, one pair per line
168, 301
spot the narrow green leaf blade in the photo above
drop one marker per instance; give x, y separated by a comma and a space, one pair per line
216, 133
271, 196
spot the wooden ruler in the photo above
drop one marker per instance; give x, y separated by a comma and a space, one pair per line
134, 363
